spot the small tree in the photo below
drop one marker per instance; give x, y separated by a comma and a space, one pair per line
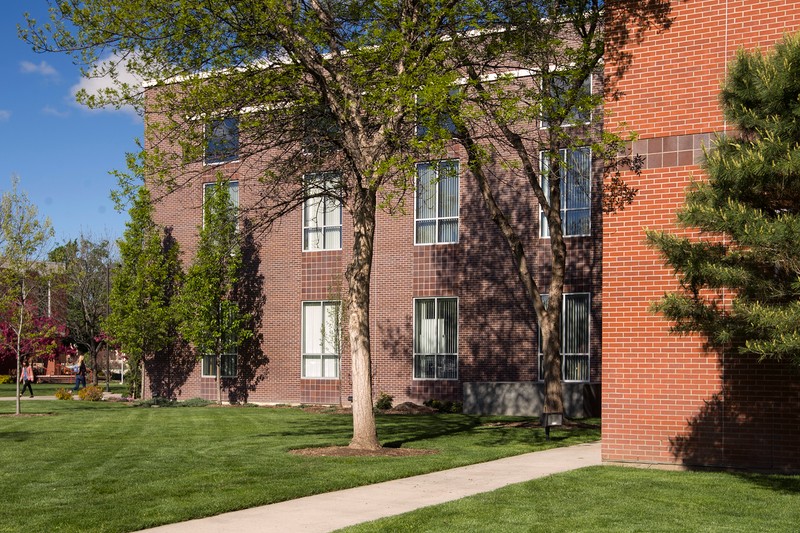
142, 316
210, 316
740, 286
86, 271
23, 237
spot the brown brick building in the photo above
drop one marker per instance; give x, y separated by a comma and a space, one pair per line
665, 399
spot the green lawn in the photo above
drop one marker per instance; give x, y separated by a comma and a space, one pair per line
78, 466
49, 389
616, 499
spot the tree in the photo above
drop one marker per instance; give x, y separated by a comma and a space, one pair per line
538, 128
740, 278
210, 316
86, 267
315, 85
23, 240
142, 318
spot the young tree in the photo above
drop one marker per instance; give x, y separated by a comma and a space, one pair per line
23, 241
142, 318
86, 268
210, 316
740, 282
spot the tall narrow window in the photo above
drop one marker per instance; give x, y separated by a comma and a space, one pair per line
222, 141
437, 202
436, 338
233, 196
227, 358
322, 214
575, 170
321, 340
580, 111
574, 338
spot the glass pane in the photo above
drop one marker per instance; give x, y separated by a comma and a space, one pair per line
448, 189
312, 328
426, 192
330, 332
577, 189
330, 367
209, 365
312, 212
333, 212
576, 222
448, 230
312, 366
447, 367
576, 367
425, 326
233, 194
312, 239
425, 366
576, 324
229, 365
448, 326
222, 140
426, 231
333, 238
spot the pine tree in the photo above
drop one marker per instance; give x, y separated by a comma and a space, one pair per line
750, 209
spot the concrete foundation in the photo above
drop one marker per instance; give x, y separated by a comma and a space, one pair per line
525, 398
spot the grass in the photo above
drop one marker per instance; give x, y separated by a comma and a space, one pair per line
8, 390
106, 466
616, 499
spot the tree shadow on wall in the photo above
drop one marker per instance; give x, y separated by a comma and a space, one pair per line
252, 362
753, 423
169, 369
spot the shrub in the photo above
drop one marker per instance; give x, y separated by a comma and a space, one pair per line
63, 394
195, 402
384, 401
155, 402
6, 379
444, 406
92, 393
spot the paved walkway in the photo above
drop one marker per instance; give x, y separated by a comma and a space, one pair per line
334, 510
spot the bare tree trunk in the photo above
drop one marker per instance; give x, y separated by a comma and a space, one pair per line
365, 434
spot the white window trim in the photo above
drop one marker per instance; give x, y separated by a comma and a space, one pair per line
302, 343
437, 218
588, 355
458, 337
543, 219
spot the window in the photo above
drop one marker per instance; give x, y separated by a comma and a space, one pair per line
321, 344
436, 338
228, 369
222, 141
233, 196
575, 170
322, 215
436, 203
578, 114
441, 118
574, 338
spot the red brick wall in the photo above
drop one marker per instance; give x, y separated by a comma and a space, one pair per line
665, 399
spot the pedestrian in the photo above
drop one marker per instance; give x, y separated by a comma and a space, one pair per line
27, 378
80, 374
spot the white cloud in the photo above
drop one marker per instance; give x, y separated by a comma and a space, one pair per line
50, 110
95, 85
44, 68
5, 114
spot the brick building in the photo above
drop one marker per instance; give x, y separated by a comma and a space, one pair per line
666, 399
445, 272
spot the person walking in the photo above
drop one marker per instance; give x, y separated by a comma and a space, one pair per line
80, 374
27, 378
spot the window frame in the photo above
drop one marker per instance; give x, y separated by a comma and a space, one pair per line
209, 361
562, 330
222, 153
321, 201
232, 184
438, 218
438, 353
306, 355
544, 226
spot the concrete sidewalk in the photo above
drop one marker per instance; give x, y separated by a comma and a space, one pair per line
334, 510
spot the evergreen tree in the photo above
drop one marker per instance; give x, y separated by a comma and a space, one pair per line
740, 286
211, 318
142, 318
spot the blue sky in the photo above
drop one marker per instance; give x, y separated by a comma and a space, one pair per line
61, 151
